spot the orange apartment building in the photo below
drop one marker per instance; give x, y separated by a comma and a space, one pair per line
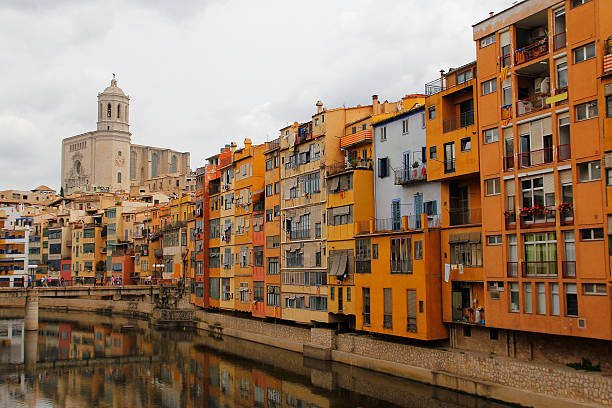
272, 230
453, 159
542, 107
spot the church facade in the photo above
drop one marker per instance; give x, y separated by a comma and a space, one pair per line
105, 159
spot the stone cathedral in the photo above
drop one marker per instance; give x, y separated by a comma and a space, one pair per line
106, 160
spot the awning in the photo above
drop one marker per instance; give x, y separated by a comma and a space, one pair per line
345, 210
458, 238
342, 266
334, 183
338, 265
334, 262
475, 237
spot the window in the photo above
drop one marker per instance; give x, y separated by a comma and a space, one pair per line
269, 216
489, 86
317, 230
488, 40
295, 259
365, 292
576, 3
348, 294
258, 256
467, 253
383, 134
466, 144
276, 211
418, 249
119, 177
528, 297
541, 293
374, 251
269, 165
571, 299
273, 266
401, 255
273, 296
354, 129
332, 293
584, 53
591, 234
589, 171
491, 135
514, 297
423, 124
258, 291
108, 110
269, 190
431, 113
277, 188
411, 310
562, 75
464, 76
494, 240
540, 251
383, 167
430, 207
433, 153
492, 187
586, 111
554, 299
449, 157
594, 289
387, 308
363, 256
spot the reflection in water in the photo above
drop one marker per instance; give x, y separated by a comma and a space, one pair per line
96, 361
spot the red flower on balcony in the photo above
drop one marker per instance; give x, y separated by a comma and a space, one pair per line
535, 210
510, 213
565, 208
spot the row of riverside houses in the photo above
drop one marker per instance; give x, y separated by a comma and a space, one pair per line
475, 212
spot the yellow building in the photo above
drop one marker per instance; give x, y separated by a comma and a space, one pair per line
88, 250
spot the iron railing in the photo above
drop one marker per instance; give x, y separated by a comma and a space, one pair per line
545, 216
435, 86
408, 175
564, 152
559, 40
532, 104
462, 120
449, 165
299, 233
509, 162
535, 157
462, 216
539, 268
401, 266
363, 266
531, 52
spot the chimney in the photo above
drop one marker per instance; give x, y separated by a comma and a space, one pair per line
247, 143
319, 106
375, 105
233, 147
491, 13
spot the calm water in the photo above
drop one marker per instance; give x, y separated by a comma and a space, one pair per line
87, 360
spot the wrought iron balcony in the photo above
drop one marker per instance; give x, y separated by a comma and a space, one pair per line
462, 120
531, 52
409, 175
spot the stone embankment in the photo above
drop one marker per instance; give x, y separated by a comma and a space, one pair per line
520, 382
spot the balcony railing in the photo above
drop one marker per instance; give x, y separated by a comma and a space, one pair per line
274, 144
465, 119
566, 217
559, 40
410, 175
462, 216
363, 266
401, 266
355, 164
533, 104
564, 152
512, 269
363, 136
569, 269
543, 215
535, 157
539, 268
434, 87
531, 52
388, 224
300, 233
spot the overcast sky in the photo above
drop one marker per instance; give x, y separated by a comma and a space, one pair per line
203, 73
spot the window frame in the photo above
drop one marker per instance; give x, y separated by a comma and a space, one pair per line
490, 135
591, 111
584, 51
496, 187
592, 234
466, 144
488, 40
489, 87
590, 169
494, 240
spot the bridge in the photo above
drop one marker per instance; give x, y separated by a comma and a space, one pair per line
31, 295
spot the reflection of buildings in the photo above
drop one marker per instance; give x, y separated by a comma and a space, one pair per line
11, 342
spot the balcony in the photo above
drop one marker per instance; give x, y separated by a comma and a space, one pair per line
354, 164
510, 219
559, 40
436, 86
274, 144
462, 120
564, 152
357, 138
566, 213
401, 266
508, 162
363, 266
545, 269
532, 104
512, 269
531, 52
464, 216
538, 216
411, 175
300, 233
535, 157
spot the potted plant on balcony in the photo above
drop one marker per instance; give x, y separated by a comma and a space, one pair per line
509, 213
415, 165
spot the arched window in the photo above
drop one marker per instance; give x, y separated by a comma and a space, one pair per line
108, 110
118, 111
173, 165
119, 177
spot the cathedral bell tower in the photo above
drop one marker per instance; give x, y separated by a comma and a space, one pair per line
113, 109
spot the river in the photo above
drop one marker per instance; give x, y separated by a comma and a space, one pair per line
90, 360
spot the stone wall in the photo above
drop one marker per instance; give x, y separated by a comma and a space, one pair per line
552, 380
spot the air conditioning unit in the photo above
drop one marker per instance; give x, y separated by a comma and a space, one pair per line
582, 323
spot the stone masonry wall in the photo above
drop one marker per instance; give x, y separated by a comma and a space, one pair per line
556, 381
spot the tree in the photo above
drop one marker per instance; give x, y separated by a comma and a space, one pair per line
62, 191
